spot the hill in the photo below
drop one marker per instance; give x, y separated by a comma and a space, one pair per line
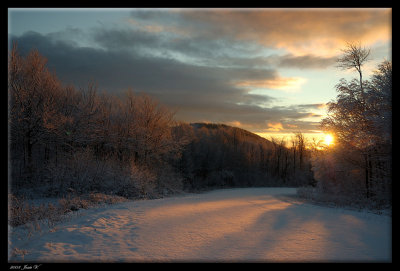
218, 155
234, 131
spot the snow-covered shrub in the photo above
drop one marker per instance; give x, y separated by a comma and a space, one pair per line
341, 179
306, 192
168, 181
99, 198
83, 173
125, 187
74, 203
71, 203
21, 212
75, 172
335, 175
143, 180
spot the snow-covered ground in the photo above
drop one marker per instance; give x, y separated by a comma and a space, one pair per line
230, 225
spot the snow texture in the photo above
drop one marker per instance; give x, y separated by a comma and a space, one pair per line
229, 225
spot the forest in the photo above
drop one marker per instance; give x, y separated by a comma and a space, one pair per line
65, 140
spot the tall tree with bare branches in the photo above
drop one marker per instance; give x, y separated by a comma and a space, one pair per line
354, 57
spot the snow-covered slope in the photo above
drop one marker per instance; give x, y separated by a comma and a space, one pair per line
233, 225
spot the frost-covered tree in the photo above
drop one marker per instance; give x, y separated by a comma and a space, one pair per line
360, 118
380, 101
33, 114
354, 57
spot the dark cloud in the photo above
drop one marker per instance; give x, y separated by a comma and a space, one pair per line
310, 106
158, 15
121, 57
198, 49
278, 61
306, 61
199, 93
118, 39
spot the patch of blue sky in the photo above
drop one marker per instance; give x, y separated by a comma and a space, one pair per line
47, 20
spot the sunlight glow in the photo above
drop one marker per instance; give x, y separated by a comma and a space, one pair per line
328, 140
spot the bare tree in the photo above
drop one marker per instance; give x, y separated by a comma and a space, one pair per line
33, 90
354, 56
301, 146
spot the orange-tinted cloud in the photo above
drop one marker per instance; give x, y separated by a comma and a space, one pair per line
280, 83
300, 31
234, 123
275, 126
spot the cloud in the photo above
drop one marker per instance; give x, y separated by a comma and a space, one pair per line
155, 28
287, 84
124, 38
275, 126
306, 61
300, 31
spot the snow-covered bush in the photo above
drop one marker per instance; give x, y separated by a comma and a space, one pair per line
335, 175
82, 172
71, 203
341, 179
24, 212
21, 212
168, 181
143, 180
99, 198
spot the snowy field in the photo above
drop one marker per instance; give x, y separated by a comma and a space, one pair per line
230, 225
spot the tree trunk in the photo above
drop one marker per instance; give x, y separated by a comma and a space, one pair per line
366, 175
294, 160
370, 175
29, 165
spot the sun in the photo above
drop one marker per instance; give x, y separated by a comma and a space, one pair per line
328, 140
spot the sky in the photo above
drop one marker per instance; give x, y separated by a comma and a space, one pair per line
267, 70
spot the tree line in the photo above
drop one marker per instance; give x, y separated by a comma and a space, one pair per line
65, 139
